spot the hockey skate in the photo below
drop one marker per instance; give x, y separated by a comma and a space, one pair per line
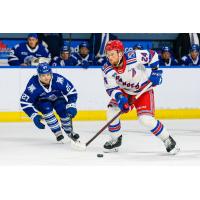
59, 136
171, 146
73, 136
113, 145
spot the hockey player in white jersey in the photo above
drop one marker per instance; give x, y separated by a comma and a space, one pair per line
124, 77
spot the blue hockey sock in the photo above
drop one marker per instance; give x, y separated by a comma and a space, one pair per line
52, 122
66, 124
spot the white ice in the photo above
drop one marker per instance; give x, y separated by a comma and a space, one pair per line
24, 144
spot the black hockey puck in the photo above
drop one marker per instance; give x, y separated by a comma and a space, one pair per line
99, 155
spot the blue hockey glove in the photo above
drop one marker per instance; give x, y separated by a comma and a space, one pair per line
122, 102
156, 77
71, 110
37, 121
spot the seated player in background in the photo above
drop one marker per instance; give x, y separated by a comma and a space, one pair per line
138, 46
192, 58
29, 53
48, 91
83, 57
64, 59
166, 59
124, 77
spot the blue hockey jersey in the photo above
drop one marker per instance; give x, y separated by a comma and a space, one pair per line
35, 91
58, 61
188, 61
80, 61
22, 53
171, 62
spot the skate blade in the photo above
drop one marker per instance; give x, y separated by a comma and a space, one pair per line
114, 150
61, 142
174, 151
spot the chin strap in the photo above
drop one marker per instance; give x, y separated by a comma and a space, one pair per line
120, 60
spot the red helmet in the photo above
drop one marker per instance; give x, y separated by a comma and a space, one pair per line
114, 45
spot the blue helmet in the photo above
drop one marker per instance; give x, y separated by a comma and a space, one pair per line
194, 47
165, 49
44, 68
84, 44
65, 49
34, 35
138, 46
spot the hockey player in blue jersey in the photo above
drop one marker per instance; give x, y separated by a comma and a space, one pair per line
166, 59
83, 57
26, 53
65, 59
192, 59
46, 92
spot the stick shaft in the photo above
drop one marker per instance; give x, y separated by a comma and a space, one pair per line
117, 115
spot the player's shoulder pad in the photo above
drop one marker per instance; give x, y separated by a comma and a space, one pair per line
59, 78
74, 55
42, 47
184, 58
16, 46
33, 82
56, 58
130, 57
107, 68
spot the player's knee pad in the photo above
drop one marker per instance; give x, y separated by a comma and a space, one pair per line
148, 121
115, 126
45, 107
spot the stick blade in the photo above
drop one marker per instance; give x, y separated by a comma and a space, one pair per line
77, 145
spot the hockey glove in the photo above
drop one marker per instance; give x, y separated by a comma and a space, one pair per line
156, 77
71, 110
122, 102
37, 121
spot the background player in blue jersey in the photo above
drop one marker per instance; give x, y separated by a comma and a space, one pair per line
83, 57
192, 58
46, 92
64, 59
166, 58
28, 53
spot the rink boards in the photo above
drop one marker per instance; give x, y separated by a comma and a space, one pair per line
177, 97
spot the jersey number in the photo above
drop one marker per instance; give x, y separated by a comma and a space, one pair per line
25, 97
144, 57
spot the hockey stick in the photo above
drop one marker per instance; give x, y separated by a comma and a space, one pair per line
80, 146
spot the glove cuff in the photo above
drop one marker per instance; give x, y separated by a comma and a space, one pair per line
33, 116
71, 105
118, 95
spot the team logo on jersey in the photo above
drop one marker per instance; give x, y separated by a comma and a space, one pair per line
31, 88
130, 54
60, 80
24, 53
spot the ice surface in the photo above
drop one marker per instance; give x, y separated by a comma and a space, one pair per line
24, 144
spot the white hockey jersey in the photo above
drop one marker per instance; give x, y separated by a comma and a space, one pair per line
132, 76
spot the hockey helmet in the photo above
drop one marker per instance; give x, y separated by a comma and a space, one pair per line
165, 49
138, 46
194, 47
44, 68
84, 44
65, 49
114, 45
